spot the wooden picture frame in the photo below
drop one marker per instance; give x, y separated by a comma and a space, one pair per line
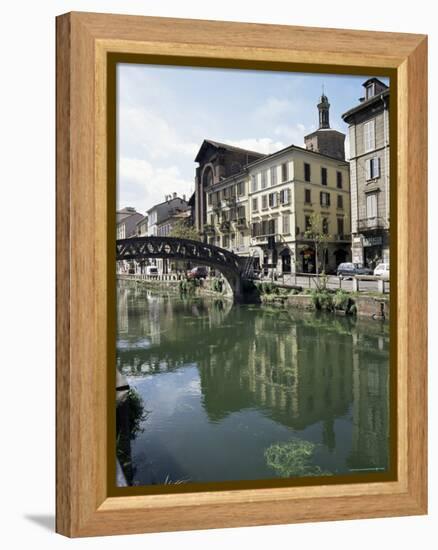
85, 42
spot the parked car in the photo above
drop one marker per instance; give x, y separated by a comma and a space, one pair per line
151, 270
349, 269
382, 270
199, 272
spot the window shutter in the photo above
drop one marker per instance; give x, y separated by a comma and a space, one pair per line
377, 167
368, 169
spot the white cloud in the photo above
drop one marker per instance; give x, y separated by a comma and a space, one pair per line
141, 185
260, 145
292, 133
150, 135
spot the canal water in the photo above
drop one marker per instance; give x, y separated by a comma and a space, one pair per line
250, 392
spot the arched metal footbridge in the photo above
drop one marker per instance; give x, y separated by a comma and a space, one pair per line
233, 267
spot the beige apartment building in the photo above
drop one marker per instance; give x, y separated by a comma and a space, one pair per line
286, 188
228, 215
370, 174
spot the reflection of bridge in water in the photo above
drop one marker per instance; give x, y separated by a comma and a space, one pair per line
233, 267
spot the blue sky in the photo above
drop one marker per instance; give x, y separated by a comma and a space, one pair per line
164, 113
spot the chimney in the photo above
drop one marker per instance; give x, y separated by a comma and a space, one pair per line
184, 197
174, 195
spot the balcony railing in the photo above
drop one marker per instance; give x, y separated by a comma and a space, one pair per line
208, 228
241, 223
370, 224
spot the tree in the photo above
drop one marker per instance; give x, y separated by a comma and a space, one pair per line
183, 230
317, 232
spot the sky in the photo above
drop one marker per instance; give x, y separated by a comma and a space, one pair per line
165, 113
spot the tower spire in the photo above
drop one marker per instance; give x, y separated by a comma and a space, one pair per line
323, 111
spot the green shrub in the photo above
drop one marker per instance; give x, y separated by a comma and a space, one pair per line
341, 300
322, 299
136, 411
218, 284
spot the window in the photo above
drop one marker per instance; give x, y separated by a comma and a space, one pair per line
325, 226
372, 205
324, 199
271, 227
286, 224
339, 180
255, 204
264, 202
340, 227
324, 176
370, 90
241, 212
369, 141
373, 168
255, 229
340, 202
308, 196
264, 179
284, 196
306, 171
254, 183
274, 175
307, 223
209, 198
284, 172
241, 188
272, 200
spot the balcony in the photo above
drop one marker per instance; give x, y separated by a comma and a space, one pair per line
370, 224
209, 229
342, 237
225, 226
241, 223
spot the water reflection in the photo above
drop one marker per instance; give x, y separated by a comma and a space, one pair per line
225, 383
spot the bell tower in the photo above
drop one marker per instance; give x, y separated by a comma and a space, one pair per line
325, 140
324, 115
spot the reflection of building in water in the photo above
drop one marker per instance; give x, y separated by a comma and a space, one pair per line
370, 443
122, 310
299, 371
298, 379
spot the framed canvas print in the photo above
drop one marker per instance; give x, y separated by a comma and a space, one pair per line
241, 274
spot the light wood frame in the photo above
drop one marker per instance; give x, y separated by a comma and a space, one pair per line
83, 42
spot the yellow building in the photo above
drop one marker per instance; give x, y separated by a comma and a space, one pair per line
286, 189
